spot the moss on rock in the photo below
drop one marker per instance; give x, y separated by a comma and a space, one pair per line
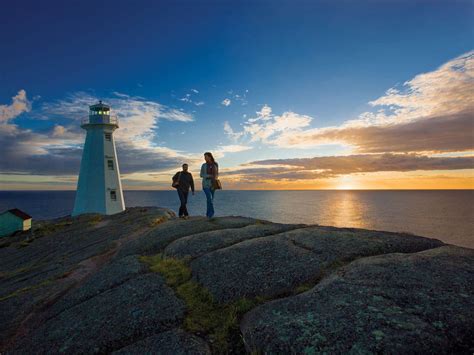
205, 317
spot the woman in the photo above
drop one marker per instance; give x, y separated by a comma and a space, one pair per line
209, 173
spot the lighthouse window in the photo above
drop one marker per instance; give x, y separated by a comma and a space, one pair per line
113, 195
108, 136
110, 164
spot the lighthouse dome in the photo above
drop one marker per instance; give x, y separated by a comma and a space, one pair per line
99, 109
100, 114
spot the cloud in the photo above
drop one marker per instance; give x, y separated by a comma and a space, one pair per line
58, 151
29, 152
433, 112
265, 113
20, 104
226, 102
333, 166
232, 148
59, 131
119, 94
188, 98
450, 133
445, 91
57, 154
242, 97
138, 117
266, 127
231, 133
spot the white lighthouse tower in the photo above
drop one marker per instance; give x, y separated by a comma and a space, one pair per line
99, 189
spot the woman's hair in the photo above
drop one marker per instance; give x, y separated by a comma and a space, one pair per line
209, 154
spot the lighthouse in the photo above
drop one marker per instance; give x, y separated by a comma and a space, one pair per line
99, 189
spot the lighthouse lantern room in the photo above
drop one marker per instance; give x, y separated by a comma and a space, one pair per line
99, 189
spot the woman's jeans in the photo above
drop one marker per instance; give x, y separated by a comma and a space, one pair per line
210, 197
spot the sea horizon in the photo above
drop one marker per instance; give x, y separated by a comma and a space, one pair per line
447, 215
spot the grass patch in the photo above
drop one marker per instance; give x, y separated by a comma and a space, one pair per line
95, 219
24, 243
157, 220
205, 317
41, 229
175, 271
44, 229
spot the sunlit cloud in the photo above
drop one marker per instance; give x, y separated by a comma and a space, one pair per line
449, 133
333, 166
20, 104
266, 127
232, 148
231, 133
442, 92
433, 112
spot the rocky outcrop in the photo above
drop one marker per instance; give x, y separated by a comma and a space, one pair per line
275, 265
398, 303
200, 244
140, 307
88, 285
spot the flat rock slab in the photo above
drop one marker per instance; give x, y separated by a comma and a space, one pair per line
160, 236
275, 265
110, 276
112, 319
63, 243
35, 272
397, 303
20, 306
172, 342
202, 243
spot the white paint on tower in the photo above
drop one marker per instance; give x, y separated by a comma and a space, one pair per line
99, 189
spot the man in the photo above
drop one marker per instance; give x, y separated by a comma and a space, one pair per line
182, 181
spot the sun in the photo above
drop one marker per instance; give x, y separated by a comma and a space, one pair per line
346, 182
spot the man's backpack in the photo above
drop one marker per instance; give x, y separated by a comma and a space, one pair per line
175, 183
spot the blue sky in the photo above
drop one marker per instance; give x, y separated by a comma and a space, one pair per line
325, 60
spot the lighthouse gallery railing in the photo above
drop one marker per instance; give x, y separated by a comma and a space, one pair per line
100, 119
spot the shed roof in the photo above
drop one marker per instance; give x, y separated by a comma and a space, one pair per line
19, 213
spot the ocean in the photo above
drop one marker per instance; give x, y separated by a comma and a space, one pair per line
447, 215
